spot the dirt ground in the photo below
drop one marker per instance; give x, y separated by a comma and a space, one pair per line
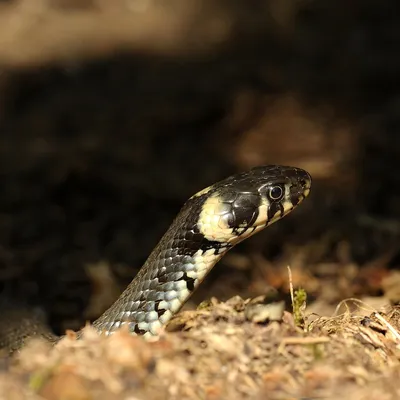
238, 348
219, 352
113, 113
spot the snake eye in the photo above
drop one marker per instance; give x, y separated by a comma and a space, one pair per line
275, 193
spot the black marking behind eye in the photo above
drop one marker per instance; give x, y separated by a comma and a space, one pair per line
245, 211
228, 219
273, 209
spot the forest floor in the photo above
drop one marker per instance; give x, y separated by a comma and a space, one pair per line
234, 349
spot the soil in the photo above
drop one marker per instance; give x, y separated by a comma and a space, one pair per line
216, 352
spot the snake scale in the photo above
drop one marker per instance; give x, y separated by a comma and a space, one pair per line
209, 224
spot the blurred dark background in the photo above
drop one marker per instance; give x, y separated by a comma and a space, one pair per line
113, 113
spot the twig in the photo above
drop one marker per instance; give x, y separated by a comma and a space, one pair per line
305, 340
291, 286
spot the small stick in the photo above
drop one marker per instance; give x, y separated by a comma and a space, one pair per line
291, 286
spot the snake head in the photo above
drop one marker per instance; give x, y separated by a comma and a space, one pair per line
243, 204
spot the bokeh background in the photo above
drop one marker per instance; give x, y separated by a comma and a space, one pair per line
113, 113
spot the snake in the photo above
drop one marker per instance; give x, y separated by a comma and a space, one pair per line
210, 223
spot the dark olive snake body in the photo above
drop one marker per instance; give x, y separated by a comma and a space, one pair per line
210, 223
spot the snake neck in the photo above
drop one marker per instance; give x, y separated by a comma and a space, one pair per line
173, 271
